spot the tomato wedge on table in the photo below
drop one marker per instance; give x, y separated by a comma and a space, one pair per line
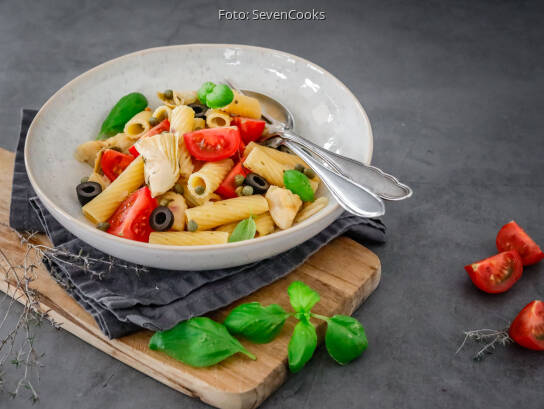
512, 237
227, 188
527, 329
163, 126
131, 219
250, 129
113, 163
213, 144
496, 274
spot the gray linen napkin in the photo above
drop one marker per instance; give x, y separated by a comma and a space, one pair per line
123, 297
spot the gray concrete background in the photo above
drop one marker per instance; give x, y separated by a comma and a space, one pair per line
454, 91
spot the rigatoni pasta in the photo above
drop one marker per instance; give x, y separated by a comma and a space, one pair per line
216, 118
243, 105
185, 238
215, 214
138, 124
203, 183
104, 205
259, 162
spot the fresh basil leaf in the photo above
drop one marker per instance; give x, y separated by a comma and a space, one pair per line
245, 230
298, 183
302, 345
345, 338
198, 342
219, 97
204, 90
120, 114
302, 297
257, 323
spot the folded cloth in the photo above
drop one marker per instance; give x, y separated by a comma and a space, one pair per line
124, 297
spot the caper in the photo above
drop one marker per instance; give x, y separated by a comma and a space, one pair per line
153, 121
84, 179
238, 190
299, 167
239, 180
103, 226
200, 190
309, 173
178, 188
247, 190
168, 94
192, 225
164, 202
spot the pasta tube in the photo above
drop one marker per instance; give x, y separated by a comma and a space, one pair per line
181, 122
215, 214
311, 208
265, 224
163, 112
243, 105
208, 178
138, 124
263, 165
104, 205
216, 118
199, 123
186, 238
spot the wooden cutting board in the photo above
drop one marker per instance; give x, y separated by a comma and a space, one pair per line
344, 272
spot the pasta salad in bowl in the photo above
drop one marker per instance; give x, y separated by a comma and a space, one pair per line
182, 178
190, 171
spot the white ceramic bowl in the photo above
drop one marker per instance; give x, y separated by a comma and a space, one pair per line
325, 112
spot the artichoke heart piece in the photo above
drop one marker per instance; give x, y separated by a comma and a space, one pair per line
161, 161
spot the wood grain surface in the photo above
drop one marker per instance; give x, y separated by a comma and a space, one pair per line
344, 272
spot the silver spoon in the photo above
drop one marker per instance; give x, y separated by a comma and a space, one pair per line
353, 197
282, 123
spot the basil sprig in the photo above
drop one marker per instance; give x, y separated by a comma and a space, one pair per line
257, 323
198, 342
245, 230
204, 342
298, 183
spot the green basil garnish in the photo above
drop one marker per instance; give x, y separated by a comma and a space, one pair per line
121, 113
345, 338
298, 183
215, 96
257, 323
198, 342
302, 297
245, 230
302, 345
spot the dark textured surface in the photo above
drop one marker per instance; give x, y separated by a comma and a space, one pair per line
454, 91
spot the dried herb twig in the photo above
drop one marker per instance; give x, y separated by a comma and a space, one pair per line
489, 337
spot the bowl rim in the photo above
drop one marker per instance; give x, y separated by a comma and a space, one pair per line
206, 247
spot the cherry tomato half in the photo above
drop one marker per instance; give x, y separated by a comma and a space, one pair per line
513, 237
250, 129
498, 273
131, 219
527, 329
162, 126
213, 144
227, 188
113, 163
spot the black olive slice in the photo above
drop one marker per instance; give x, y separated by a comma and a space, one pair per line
161, 219
258, 183
200, 110
87, 191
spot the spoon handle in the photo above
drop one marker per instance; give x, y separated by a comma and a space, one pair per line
383, 184
354, 198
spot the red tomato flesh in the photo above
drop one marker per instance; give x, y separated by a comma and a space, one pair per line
250, 129
113, 163
227, 188
131, 219
512, 237
163, 126
213, 144
527, 329
496, 274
